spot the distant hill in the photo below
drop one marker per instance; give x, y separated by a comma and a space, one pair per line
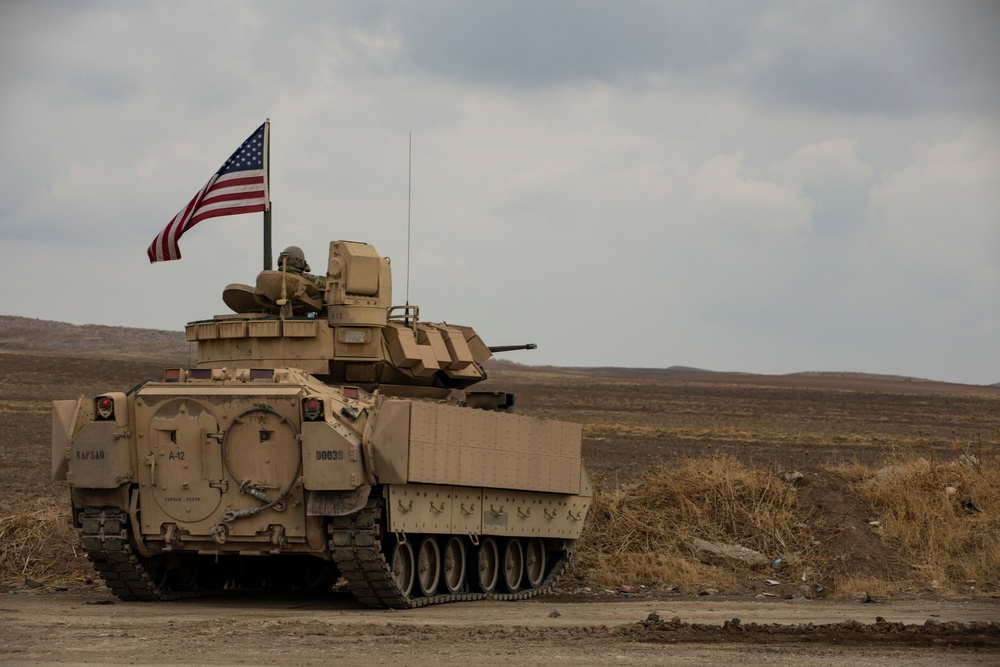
33, 336
26, 335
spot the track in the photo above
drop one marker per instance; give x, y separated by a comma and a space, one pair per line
105, 537
355, 544
357, 548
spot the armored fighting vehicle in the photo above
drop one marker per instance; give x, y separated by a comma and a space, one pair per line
324, 439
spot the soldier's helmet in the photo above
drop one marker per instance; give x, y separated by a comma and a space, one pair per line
295, 259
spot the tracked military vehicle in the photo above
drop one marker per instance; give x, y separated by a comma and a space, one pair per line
325, 438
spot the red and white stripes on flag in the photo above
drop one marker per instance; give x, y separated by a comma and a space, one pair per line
239, 186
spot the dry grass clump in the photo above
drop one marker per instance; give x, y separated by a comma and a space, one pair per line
910, 528
943, 518
38, 542
643, 535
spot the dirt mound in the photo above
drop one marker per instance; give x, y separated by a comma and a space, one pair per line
955, 634
841, 530
978, 634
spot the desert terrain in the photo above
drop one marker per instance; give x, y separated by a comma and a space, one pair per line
808, 452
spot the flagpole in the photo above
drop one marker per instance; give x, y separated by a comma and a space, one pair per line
267, 186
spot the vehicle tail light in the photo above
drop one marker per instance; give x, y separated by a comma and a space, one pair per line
312, 409
105, 407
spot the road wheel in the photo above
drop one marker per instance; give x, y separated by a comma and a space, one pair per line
454, 564
428, 566
534, 562
402, 567
513, 565
487, 565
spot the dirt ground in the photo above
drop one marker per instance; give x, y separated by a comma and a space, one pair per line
90, 627
632, 419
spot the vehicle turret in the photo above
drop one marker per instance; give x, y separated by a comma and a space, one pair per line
341, 326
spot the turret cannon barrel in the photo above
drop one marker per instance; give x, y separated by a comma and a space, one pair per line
510, 348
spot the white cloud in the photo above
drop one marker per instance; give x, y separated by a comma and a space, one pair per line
929, 256
730, 244
647, 177
829, 164
742, 205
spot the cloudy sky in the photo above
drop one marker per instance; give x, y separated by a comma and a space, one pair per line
751, 186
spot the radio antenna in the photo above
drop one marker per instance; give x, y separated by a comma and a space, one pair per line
409, 190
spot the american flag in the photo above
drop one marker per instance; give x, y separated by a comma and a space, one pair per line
240, 186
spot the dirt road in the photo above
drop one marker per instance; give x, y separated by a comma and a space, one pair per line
88, 626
